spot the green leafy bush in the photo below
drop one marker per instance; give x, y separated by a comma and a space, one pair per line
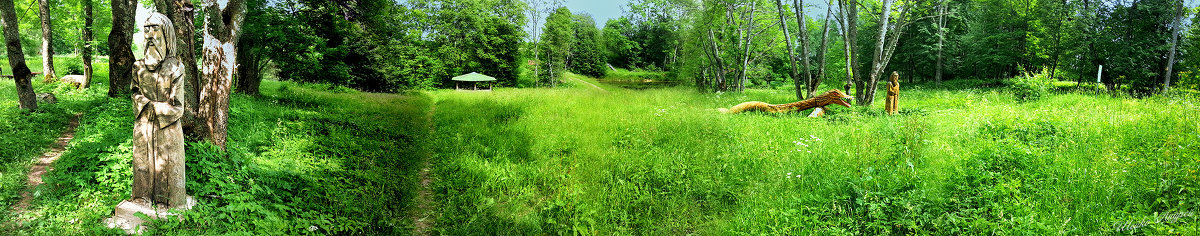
71, 66
1029, 87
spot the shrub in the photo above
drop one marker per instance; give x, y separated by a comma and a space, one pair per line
71, 66
1029, 87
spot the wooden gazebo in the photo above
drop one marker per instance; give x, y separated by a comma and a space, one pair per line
473, 79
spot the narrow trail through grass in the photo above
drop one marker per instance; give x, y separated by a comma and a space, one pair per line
589, 84
422, 221
34, 177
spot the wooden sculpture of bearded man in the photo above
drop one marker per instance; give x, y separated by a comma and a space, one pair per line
158, 155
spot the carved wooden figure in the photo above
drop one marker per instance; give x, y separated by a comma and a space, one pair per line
158, 155
893, 91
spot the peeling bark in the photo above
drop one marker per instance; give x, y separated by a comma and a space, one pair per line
222, 28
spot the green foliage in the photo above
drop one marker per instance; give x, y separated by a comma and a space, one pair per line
72, 65
468, 36
587, 53
1030, 87
558, 37
619, 49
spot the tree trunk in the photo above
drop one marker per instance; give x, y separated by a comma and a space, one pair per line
745, 60
47, 40
941, 24
16, 57
884, 19
846, 41
185, 29
803, 35
851, 33
1174, 46
812, 87
86, 53
249, 74
182, 14
120, 45
720, 63
222, 27
791, 53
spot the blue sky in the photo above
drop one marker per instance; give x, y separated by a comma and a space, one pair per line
601, 10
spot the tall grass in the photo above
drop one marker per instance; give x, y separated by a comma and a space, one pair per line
664, 161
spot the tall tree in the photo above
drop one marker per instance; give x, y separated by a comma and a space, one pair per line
790, 50
803, 35
885, 45
1177, 18
812, 85
120, 46
535, 10
182, 15
559, 36
847, 12
251, 58
941, 37
47, 41
850, 37
86, 51
222, 28
16, 56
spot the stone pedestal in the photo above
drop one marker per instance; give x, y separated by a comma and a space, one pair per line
127, 220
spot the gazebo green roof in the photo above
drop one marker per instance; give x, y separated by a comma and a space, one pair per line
474, 77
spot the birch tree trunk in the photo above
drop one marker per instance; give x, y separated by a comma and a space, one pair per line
850, 35
803, 35
86, 53
884, 19
120, 46
1174, 47
816, 82
791, 53
746, 35
715, 56
941, 24
222, 26
16, 57
848, 50
47, 40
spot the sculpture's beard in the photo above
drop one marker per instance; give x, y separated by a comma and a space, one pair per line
154, 56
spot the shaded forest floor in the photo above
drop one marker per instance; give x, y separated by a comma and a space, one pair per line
302, 159
577, 159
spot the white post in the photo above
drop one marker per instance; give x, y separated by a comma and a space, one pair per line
1098, 73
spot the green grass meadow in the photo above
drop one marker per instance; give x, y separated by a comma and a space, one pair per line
664, 162
312, 159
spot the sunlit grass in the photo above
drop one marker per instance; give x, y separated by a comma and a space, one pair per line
664, 161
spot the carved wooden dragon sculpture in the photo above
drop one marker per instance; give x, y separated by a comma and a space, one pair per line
832, 97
